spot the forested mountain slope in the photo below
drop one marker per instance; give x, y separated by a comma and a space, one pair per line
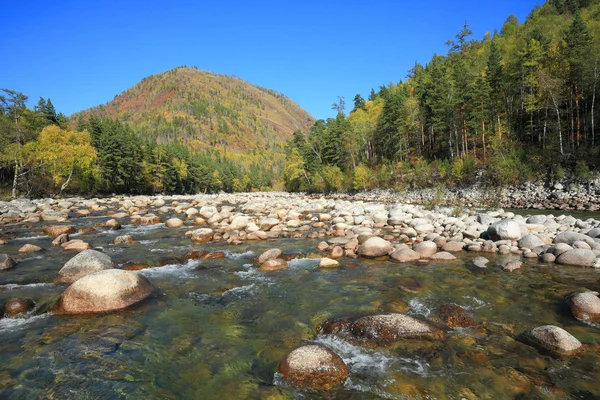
205, 110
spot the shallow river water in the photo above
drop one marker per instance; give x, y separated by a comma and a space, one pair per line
195, 339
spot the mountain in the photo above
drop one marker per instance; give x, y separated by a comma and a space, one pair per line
206, 110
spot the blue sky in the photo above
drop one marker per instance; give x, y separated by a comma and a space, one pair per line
83, 53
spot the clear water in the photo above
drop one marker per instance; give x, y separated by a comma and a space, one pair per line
194, 340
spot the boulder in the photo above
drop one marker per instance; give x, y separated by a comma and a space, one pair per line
405, 255
375, 247
112, 224
174, 223
585, 306
85, 263
425, 248
453, 247
30, 248
313, 367
572, 237
60, 240
267, 223
379, 329
577, 257
14, 307
239, 222
104, 291
202, 235
504, 230
273, 265
328, 263
552, 338
6, 262
76, 245
530, 241
57, 230
270, 254
123, 239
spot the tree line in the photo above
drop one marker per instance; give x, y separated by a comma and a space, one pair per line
43, 153
518, 105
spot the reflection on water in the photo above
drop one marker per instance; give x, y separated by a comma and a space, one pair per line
218, 328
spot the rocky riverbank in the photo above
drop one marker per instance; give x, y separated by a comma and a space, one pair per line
556, 195
389, 232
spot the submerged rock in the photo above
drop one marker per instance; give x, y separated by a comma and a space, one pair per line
57, 230
30, 248
512, 265
552, 338
313, 367
585, 306
455, 316
104, 291
85, 263
480, 262
273, 265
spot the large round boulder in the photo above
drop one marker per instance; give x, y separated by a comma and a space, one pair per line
313, 367
577, 257
85, 263
425, 248
174, 223
504, 230
572, 237
405, 255
552, 338
585, 306
375, 247
104, 291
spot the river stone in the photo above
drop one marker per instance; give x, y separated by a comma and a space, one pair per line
455, 316
530, 241
174, 223
504, 230
207, 211
202, 235
572, 237
548, 258
594, 233
577, 257
104, 291
553, 339
57, 230
76, 245
328, 263
425, 248
314, 367
85, 263
30, 248
442, 256
405, 255
586, 306
453, 246
6, 262
267, 223
375, 247
270, 254
60, 240
15, 307
123, 239
273, 265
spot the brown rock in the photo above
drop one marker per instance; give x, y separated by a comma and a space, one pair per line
270, 254
6, 262
585, 306
273, 265
57, 230
214, 255
124, 239
76, 245
112, 224
15, 307
194, 254
336, 252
